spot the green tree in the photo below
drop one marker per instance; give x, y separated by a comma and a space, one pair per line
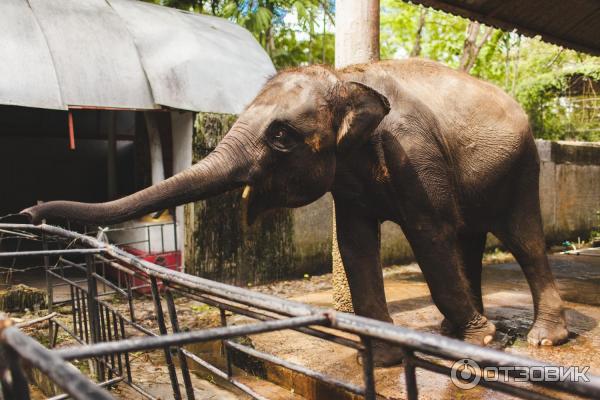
539, 75
299, 40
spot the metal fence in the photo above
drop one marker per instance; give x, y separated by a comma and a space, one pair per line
85, 268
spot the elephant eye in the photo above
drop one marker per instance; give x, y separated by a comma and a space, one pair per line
282, 137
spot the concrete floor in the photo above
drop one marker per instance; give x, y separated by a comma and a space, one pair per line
507, 302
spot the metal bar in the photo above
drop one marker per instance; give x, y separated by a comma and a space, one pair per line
163, 331
435, 345
245, 310
223, 375
71, 131
34, 321
130, 297
66, 329
116, 336
49, 288
187, 380
368, 368
116, 265
175, 238
108, 329
410, 376
224, 344
126, 353
67, 280
84, 311
54, 336
13, 382
141, 391
110, 285
102, 338
108, 383
93, 310
295, 367
73, 308
79, 313
183, 338
50, 252
162, 237
61, 373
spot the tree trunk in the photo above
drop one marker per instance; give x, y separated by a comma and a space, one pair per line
472, 47
416, 50
356, 42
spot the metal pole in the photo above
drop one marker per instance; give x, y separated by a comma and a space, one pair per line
49, 288
368, 368
224, 344
12, 380
187, 380
92, 304
160, 318
412, 391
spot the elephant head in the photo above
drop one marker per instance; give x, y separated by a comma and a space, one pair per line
282, 148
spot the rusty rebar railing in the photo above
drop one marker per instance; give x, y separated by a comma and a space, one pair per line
106, 335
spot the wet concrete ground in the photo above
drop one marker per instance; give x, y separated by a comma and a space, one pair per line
507, 302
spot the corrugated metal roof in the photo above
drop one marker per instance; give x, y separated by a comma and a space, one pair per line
574, 24
125, 54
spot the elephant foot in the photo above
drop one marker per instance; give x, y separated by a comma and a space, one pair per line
384, 354
448, 329
548, 331
478, 330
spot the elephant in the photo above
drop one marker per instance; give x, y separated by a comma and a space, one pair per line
446, 156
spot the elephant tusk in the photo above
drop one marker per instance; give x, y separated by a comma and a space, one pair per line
245, 200
246, 192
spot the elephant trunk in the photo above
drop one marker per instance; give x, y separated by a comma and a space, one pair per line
224, 169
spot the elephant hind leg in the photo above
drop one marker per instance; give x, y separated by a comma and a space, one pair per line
522, 233
471, 246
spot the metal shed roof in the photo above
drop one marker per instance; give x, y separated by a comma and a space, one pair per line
574, 23
125, 54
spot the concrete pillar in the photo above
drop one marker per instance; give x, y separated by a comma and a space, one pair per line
156, 157
182, 126
356, 41
356, 32
110, 127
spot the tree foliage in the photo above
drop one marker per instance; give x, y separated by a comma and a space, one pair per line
537, 74
293, 32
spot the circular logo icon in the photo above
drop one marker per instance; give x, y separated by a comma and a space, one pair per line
465, 373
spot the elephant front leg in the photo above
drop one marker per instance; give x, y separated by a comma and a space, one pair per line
359, 242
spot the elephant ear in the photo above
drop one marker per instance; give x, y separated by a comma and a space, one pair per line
361, 110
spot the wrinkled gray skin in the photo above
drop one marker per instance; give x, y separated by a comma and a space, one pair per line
446, 156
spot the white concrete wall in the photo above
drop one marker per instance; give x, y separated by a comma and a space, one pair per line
569, 188
182, 126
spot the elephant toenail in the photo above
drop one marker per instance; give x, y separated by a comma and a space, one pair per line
487, 339
546, 342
